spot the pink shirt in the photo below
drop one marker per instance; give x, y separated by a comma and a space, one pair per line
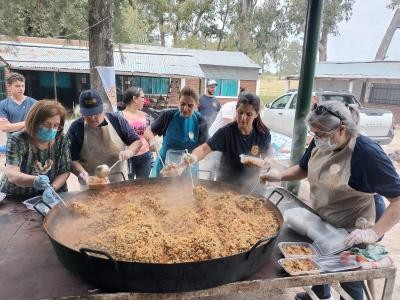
140, 126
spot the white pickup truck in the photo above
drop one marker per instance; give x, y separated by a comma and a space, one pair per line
378, 124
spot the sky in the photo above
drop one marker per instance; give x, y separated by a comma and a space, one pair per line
359, 39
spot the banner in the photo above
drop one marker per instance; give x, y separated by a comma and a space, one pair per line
107, 75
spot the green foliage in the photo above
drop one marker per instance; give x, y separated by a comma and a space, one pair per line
258, 28
44, 18
393, 4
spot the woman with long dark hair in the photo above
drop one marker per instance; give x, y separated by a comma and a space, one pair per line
139, 165
246, 135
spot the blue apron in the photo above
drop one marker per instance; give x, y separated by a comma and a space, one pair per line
182, 133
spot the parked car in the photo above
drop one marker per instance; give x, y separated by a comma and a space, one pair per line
378, 124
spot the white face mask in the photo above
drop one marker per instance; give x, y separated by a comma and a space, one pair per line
324, 143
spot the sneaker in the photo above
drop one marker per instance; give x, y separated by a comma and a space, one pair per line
305, 296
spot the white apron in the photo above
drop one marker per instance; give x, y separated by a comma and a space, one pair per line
101, 145
331, 196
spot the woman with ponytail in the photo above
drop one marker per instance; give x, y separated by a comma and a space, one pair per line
246, 135
139, 165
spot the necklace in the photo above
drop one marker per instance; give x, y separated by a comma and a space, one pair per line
39, 167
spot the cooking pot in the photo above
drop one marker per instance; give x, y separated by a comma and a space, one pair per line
101, 270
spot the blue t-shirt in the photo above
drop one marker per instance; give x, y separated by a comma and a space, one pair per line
209, 108
231, 142
76, 133
14, 112
372, 171
160, 125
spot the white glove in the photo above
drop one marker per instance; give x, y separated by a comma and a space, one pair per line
189, 158
271, 175
361, 236
126, 154
83, 177
155, 145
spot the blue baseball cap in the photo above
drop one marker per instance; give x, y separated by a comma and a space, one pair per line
90, 103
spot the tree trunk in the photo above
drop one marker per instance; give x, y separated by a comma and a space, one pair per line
387, 39
323, 46
221, 33
101, 51
161, 22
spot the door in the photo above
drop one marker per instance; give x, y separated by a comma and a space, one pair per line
275, 116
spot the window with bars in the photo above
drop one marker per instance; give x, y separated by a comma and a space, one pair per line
3, 91
152, 85
227, 88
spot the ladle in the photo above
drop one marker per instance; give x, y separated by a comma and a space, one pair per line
102, 171
190, 171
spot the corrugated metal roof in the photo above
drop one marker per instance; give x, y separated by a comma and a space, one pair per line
357, 70
372, 69
205, 57
51, 57
133, 59
222, 72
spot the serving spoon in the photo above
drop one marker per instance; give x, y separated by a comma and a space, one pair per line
102, 171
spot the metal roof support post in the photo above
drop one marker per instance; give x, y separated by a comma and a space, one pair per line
308, 61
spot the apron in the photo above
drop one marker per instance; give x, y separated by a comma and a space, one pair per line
331, 196
101, 145
182, 133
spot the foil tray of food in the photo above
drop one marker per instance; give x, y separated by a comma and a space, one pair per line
300, 266
297, 249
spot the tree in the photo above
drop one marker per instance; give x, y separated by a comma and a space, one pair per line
44, 18
335, 11
288, 59
101, 49
394, 4
270, 29
129, 26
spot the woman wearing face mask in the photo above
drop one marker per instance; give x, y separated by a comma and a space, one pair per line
182, 128
246, 135
38, 156
139, 165
345, 170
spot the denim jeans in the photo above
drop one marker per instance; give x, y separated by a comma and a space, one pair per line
354, 289
140, 166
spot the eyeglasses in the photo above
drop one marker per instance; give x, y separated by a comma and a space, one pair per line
56, 126
321, 134
319, 110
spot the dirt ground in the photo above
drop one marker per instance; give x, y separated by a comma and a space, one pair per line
391, 240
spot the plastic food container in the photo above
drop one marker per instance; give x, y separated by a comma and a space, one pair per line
174, 156
331, 243
335, 264
282, 246
316, 268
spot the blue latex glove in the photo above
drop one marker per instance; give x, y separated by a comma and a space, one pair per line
41, 182
49, 197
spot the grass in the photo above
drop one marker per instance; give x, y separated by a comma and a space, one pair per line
271, 87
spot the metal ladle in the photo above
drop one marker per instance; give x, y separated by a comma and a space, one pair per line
102, 171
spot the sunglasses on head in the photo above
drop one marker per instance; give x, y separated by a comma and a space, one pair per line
319, 110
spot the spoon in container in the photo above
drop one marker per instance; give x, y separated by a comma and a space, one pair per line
102, 171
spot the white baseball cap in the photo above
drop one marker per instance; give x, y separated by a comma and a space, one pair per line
211, 82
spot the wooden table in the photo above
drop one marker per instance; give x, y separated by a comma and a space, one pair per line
29, 268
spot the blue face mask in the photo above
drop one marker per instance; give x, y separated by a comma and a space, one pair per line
46, 134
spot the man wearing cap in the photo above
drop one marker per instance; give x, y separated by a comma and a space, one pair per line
209, 104
100, 138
